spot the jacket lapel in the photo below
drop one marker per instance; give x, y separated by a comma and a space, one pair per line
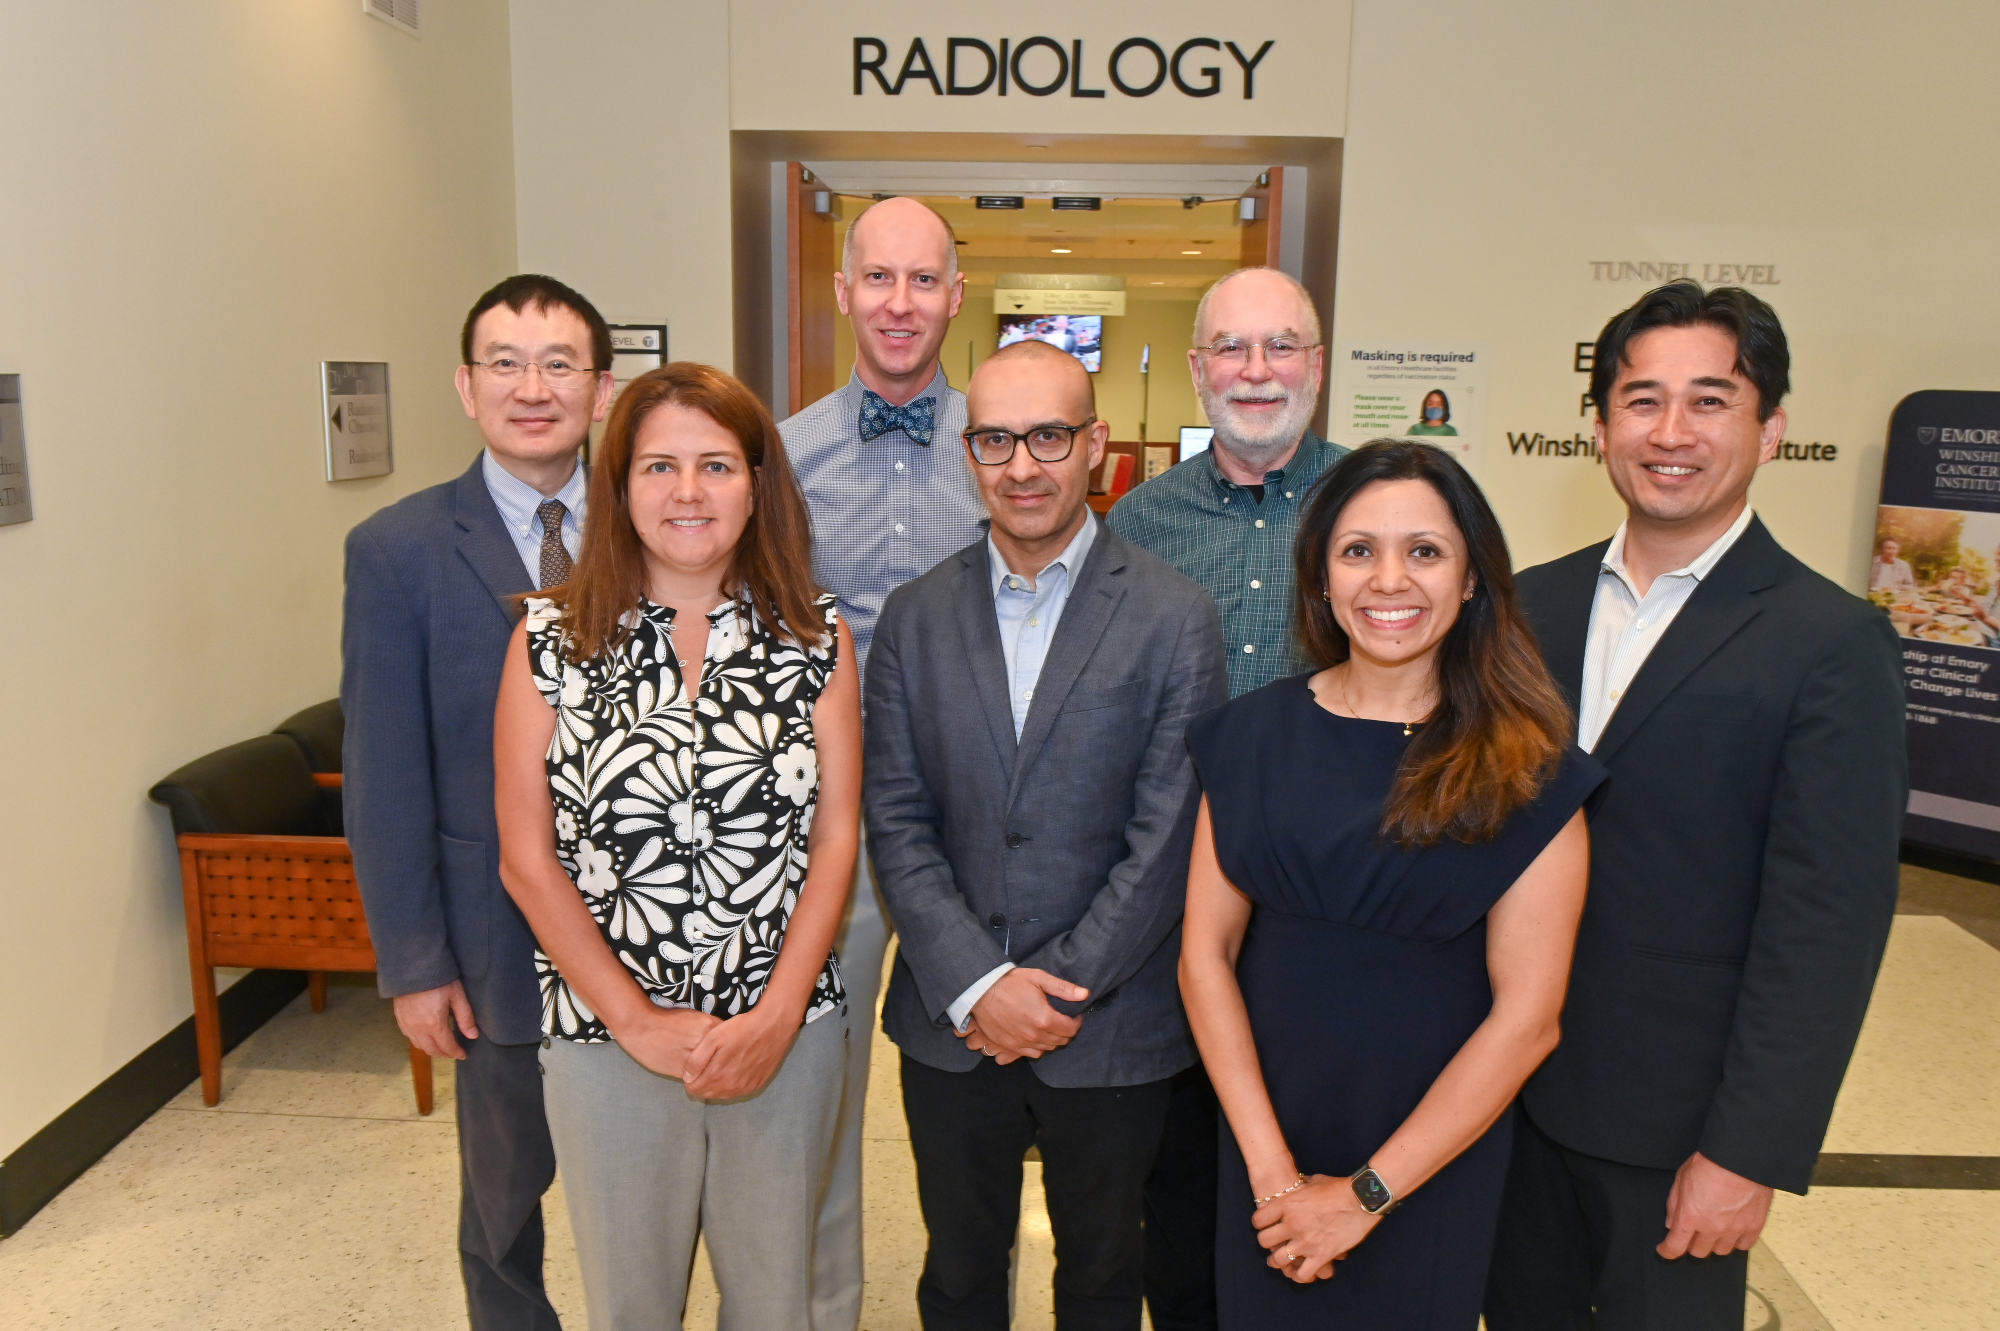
483, 541
1563, 624
979, 634
1723, 604
1091, 604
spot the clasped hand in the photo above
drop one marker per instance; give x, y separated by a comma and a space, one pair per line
1013, 1018
716, 1059
1307, 1231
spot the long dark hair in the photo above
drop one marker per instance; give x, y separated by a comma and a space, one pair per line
773, 564
1501, 724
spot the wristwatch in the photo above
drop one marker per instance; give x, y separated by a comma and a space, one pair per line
1374, 1194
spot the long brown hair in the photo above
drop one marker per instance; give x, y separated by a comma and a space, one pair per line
773, 563
1501, 724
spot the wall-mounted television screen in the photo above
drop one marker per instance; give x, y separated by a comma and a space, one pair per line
1081, 335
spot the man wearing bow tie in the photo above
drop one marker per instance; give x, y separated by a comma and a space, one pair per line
891, 495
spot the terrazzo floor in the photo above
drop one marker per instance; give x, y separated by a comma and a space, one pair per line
314, 1196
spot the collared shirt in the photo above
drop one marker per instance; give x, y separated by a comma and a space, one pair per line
1214, 531
1028, 613
884, 511
1625, 626
1028, 617
517, 501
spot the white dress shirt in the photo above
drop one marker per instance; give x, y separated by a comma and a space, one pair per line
1625, 626
1028, 615
517, 501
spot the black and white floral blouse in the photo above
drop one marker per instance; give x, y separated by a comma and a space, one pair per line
683, 821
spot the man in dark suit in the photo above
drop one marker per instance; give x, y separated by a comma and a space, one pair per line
430, 582
1743, 852
1031, 808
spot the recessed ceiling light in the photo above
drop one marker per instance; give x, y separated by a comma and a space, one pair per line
1058, 251
1190, 251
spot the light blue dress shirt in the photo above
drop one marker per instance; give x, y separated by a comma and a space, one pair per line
1028, 617
517, 501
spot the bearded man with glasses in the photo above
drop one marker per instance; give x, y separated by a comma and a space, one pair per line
1226, 518
432, 598
1030, 805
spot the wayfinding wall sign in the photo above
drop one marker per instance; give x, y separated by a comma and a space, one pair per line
354, 400
14, 502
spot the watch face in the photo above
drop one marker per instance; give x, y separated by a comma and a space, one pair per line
1371, 1190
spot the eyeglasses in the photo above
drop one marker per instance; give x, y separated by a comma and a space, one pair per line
553, 371
1235, 351
1046, 443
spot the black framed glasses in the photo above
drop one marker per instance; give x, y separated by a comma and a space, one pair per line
1046, 443
553, 371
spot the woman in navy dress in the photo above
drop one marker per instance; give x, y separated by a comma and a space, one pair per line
1387, 876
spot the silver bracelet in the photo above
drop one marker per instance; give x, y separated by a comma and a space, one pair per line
1263, 1202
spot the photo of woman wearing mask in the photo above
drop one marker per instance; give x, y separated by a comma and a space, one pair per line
1436, 414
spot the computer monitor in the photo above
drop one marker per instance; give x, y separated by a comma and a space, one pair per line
1194, 439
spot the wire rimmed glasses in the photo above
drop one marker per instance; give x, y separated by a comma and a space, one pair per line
1236, 350
994, 447
557, 371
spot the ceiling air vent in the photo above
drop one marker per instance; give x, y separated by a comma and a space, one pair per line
405, 14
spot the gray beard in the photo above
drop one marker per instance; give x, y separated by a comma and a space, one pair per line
1253, 447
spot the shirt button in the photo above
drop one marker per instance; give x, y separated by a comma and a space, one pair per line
1260, 522
899, 466
1616, 694
1641, 624
1249, 647
1027, 695
1288, 493
1034, 623
899, 527
1255, 584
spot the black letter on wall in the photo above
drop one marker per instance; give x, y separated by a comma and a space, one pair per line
1159, 75
911, 69
870, 66
1249, 66
1076, 88
1062, 66
1214, 72
952, 87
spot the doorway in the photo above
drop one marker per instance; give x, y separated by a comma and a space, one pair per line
1157, 217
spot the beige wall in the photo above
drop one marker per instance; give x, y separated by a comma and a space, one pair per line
621, 115
201, 202
1494, 153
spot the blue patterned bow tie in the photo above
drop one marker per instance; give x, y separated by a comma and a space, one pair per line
916, 419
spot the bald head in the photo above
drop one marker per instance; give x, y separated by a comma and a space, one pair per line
903, 230
1046, 374
1255, 297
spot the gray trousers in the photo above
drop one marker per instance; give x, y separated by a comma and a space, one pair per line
863, 940
647, 1170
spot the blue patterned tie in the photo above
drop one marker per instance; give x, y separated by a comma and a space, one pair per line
916, 419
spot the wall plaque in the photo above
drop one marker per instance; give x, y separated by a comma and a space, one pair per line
354, 400
14, 503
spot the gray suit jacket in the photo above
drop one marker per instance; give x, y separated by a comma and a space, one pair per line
428, 615
1067, 851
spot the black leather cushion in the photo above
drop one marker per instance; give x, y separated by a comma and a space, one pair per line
318, 730
260, 786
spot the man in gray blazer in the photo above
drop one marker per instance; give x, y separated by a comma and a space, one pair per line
1030, 809
430, 588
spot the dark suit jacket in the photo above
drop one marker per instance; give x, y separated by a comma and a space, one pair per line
1743, 867
1067, 851
425, 635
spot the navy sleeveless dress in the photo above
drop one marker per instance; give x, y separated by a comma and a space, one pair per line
1364, 971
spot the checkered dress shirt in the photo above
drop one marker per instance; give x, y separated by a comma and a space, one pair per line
1214, 531
884, 511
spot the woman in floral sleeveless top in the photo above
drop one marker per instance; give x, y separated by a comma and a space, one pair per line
678, 768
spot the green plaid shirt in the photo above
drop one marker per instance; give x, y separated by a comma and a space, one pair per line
1216, 532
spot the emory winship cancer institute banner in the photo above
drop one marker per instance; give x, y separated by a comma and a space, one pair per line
1936, 569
